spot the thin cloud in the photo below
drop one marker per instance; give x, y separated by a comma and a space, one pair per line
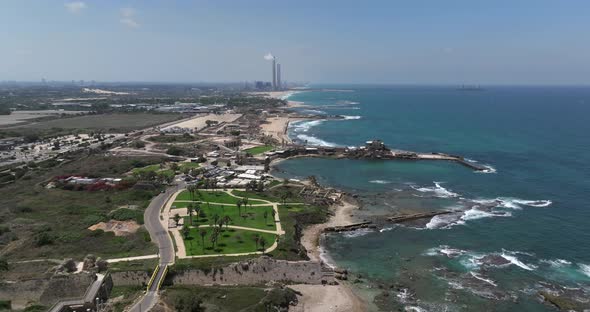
75, 7
128, 17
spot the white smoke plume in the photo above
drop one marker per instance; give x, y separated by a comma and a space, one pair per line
269, 57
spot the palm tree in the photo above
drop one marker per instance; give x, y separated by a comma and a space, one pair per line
176, 219
203, 233
256, 240
186, 231
273, 213
284, 197
226, 220
189, 212
215, 218
265, 216
197, 209
239, 204
262, 243
213, 238
192, 189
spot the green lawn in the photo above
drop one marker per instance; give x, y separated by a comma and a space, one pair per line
229, 241
251, 217
214, 197
191, 165
273, 196
259, 149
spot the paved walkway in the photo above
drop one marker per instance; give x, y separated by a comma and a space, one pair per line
133, 258
179, 241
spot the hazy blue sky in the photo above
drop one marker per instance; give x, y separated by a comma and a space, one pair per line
409, 41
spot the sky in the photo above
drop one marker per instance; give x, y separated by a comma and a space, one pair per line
320, 41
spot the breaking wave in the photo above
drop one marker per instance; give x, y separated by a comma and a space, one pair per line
379, 181
351, 117
585, 269
437, 190
514, 203
314, 112
311, 140
304, 126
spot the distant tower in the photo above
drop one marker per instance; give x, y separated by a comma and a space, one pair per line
279, 85
274, 73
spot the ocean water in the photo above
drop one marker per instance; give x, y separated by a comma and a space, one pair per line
520, 228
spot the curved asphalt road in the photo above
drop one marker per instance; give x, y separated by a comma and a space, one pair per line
159, 235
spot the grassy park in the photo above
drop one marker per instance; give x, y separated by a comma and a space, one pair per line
252, 217
212, 197
259, 149
229, 241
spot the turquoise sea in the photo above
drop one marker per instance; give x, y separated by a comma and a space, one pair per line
523, 226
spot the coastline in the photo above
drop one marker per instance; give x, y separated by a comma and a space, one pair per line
317, 298
335, 298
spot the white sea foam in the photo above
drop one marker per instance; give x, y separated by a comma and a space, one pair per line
585, 269
414, 309
304, 126
385, 229
347, 102
489, 169
314, 111
326, 259
438, 190
443, 221
514, 260
557, 263
379, 181
288, 95
357, 233
351, 117
513, 203
311, 140
479, 277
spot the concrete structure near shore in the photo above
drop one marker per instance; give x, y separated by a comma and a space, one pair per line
374, 149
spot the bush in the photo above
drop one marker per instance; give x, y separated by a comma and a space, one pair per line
173, 150
42, 239
124, 214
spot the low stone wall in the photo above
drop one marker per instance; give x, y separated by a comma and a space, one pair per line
252, 272
46, 291
22, 292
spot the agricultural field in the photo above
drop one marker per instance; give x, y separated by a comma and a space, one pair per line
114, 123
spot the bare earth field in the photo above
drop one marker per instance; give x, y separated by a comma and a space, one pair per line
18, 117
200, 122
122, 122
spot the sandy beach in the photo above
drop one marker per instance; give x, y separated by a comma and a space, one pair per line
335, 298
277, 127
329, 298
200, 122
311, 235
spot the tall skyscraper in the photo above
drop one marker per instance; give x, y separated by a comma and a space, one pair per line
274, 73
279, 85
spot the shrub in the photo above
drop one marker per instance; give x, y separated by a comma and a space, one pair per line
42, 239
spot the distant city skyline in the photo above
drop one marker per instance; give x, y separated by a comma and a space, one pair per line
385, 42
